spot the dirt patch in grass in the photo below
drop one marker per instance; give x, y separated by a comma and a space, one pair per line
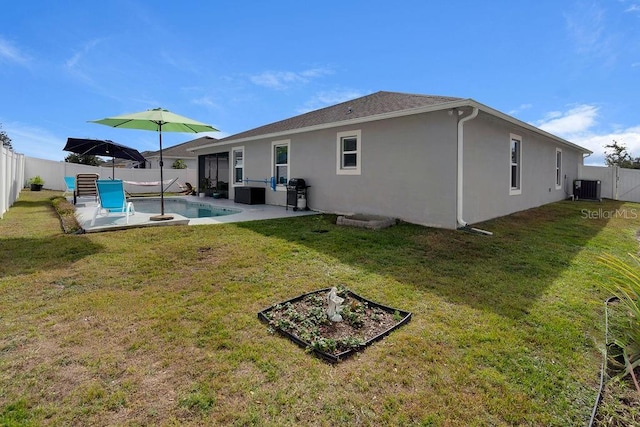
620, 405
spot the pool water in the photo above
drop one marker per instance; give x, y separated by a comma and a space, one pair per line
182, 207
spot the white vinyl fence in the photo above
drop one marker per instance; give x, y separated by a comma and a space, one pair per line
53, 174
11, 177
616, 183
16, 170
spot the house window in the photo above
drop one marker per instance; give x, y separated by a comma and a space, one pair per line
238, 166
558, 169
349, 153
280, 165
516, 164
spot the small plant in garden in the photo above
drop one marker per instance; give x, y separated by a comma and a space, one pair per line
342, 291
317, 315
376, 314
284, 324
625, 285
316, 300
350, 342
327, 345
354, 317
292, 314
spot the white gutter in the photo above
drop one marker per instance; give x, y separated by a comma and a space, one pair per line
460, 192
418, 110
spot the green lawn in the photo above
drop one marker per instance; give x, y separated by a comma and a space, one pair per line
159, 326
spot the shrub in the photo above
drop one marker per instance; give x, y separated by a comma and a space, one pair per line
36, 180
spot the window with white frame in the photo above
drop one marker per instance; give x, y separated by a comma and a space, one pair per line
558, 168
280, 163
238, 166
349, 153
516, 164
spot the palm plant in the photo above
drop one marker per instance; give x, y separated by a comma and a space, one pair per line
625, 285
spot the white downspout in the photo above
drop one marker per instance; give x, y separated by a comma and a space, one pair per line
462, 224
459, 204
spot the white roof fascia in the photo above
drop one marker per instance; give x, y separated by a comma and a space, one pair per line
525, 125
419, 110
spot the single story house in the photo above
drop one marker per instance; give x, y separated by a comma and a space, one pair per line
431, 160
177, 152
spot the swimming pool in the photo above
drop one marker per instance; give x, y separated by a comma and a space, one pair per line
185, 208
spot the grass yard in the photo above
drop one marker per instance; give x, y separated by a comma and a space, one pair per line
159, 326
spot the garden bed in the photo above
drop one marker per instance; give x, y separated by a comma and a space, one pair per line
303, 319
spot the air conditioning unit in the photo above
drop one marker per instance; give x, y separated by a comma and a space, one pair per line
586, 190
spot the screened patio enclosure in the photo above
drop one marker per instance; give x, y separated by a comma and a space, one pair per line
213, 175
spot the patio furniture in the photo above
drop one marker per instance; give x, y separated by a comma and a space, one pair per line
187, 189
249, 195
85, 185
164, 185
70, 182
111, 199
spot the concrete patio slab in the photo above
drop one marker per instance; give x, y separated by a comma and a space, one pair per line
85, 210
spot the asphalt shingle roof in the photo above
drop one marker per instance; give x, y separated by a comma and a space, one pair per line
370, 105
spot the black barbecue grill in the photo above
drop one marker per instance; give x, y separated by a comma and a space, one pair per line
297, 190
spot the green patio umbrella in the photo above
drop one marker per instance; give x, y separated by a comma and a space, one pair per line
157, 120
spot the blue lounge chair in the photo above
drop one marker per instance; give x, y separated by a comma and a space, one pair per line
70, 182
111, 199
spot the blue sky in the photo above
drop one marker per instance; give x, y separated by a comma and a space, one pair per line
569, 67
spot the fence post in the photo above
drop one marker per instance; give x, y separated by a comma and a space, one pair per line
3, 180
616, 183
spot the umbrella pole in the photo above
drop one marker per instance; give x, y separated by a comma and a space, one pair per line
113, 168
162, 216
161, 176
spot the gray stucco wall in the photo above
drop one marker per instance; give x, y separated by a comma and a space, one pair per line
406, 169
409, 169
487, 169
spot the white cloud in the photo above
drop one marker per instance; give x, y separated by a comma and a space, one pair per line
10, 53
630, 138
577, 125
204, 101
75, 63
587, 27
520, 109
323, 99
633, 8
284, 79
576, 120
35, 142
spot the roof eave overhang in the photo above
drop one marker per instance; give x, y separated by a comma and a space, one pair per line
420, 110
169, 156
503, 116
